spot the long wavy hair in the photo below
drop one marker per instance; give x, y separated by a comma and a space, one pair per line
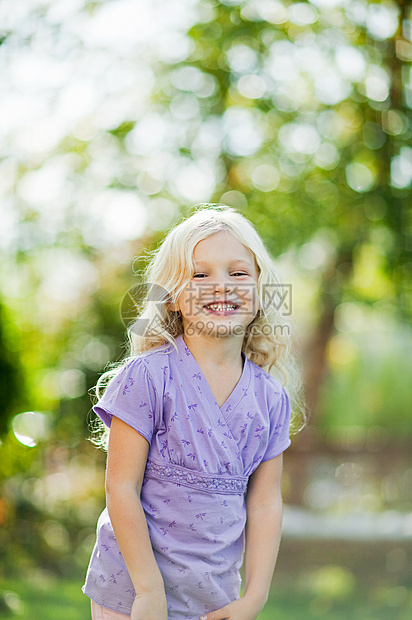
268, 339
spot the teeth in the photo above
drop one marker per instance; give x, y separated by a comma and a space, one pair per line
220, 307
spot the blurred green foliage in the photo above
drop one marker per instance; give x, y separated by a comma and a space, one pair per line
297, 114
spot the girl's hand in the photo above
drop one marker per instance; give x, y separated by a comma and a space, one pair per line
241, 609
149, 606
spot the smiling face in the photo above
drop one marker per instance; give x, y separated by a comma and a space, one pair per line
221, 298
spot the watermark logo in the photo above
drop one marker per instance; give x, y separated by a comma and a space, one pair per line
278, 296
198, 294
153, 297
133, 302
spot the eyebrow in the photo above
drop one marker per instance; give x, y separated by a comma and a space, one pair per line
236, 261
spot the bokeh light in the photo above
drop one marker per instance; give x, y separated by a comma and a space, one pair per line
31, 427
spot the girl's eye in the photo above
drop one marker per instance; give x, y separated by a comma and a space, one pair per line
236, 273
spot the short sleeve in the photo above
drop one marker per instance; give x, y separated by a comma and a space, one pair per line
131, 396
279, 418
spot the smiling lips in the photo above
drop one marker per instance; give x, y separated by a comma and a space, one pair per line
220, 307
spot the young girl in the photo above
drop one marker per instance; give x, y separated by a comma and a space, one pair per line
197, 431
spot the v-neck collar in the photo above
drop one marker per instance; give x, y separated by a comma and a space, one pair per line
238, 392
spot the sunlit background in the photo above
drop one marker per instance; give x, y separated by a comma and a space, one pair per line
117, 116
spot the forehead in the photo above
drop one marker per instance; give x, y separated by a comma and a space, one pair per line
222, 246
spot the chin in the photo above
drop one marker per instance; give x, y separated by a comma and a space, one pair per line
216, 328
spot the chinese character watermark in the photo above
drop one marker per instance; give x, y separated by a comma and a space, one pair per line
274, 296
278, 296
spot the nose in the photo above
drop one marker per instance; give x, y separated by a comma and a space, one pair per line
223, 286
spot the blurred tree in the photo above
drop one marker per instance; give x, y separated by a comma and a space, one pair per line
307, 106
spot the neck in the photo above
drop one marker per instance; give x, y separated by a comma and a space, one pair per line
216, 352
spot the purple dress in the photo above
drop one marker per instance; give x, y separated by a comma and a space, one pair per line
200, 458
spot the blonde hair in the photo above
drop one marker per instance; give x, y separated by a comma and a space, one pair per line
267, 341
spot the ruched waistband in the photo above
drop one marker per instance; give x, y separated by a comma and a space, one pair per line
212, 483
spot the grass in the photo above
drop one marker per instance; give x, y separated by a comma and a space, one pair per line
313, 581
43, 596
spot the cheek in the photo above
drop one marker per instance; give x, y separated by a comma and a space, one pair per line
256, 306
188, 300
184, 303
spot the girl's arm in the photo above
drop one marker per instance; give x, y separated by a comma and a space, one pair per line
263, 530
126, 463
